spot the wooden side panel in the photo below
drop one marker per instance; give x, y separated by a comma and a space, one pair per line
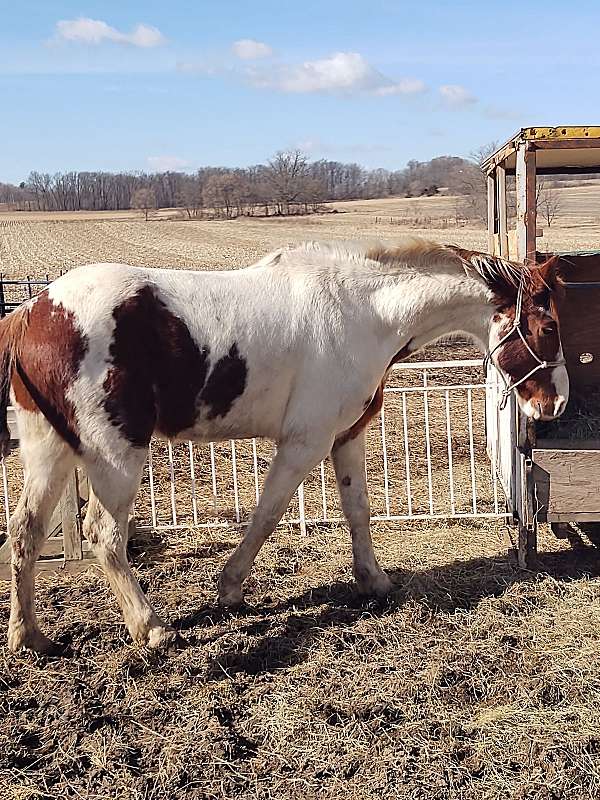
568, 483
579, 315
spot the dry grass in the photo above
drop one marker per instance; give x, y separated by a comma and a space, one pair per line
473, 681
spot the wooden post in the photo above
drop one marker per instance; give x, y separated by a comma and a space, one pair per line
502, 211
526, 211
71, 520
527, 554
491, 210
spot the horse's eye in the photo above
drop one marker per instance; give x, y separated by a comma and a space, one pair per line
548, 330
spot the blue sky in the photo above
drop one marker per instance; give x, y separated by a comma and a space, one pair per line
155, 85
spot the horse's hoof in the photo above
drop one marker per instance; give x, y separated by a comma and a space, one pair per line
377, 585
18, 639
231, 598
164, 638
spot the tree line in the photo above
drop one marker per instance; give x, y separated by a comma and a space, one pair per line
288, 184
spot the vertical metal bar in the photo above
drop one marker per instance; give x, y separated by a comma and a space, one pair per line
491, 399
172, 482
472, 448
236, 495
255, 465
323, 492
193, 483
450, 470
2, 300
406, 454
427, 441
151, 481
213, 475
302, 509
386, 486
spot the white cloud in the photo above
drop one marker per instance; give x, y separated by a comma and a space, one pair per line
340, 72
250, 49
455, 96
166, 163
405, 86
95, 31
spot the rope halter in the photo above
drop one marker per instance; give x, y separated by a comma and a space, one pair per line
516, 328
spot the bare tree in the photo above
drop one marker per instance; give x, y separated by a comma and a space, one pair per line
285, 174
145, 200
548, 201
474, 185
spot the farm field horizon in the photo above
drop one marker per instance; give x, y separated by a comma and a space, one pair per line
474, 680
35, 243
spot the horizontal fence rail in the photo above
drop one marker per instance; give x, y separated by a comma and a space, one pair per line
426, 459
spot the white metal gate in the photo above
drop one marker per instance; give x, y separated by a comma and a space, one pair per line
426, 459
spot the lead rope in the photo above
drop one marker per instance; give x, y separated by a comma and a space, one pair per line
516, 327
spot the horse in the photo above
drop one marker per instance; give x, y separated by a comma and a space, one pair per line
295, 348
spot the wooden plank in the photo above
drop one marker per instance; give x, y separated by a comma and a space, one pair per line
491, 210
573, 516
589, 169
502, 212
526, 210
54, 565
71, 519
567, 444
566, 144
568, 482
55, 547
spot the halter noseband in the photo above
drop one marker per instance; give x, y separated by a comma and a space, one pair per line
516, 327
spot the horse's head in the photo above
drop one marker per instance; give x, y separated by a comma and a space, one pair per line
525, 341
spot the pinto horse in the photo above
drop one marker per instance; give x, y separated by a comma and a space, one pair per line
295, 348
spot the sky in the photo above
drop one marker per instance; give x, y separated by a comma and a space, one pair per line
156, 85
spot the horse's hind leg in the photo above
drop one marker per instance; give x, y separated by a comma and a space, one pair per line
105, 527
349, 465
47, 461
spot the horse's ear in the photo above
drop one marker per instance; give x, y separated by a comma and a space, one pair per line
547, 272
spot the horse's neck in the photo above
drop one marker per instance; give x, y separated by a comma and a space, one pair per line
420, 309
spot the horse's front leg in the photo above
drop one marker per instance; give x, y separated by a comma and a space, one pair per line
349, 464
291, 464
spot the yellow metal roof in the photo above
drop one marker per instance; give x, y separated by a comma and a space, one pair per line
585, 156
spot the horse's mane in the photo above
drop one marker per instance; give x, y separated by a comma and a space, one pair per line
411, 253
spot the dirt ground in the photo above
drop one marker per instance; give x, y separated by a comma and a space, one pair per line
473, 681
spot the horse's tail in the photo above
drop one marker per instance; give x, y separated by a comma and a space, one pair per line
12, 331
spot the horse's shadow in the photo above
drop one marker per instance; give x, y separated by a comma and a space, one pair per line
459, 585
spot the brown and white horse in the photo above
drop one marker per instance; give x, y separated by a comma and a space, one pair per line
295, 348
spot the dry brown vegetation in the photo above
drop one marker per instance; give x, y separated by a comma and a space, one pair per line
473, 681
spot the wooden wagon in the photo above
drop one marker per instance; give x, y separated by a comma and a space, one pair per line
547, 478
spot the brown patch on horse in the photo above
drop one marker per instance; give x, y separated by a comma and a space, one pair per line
374, 407
50, 354
226, 381
157, 370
